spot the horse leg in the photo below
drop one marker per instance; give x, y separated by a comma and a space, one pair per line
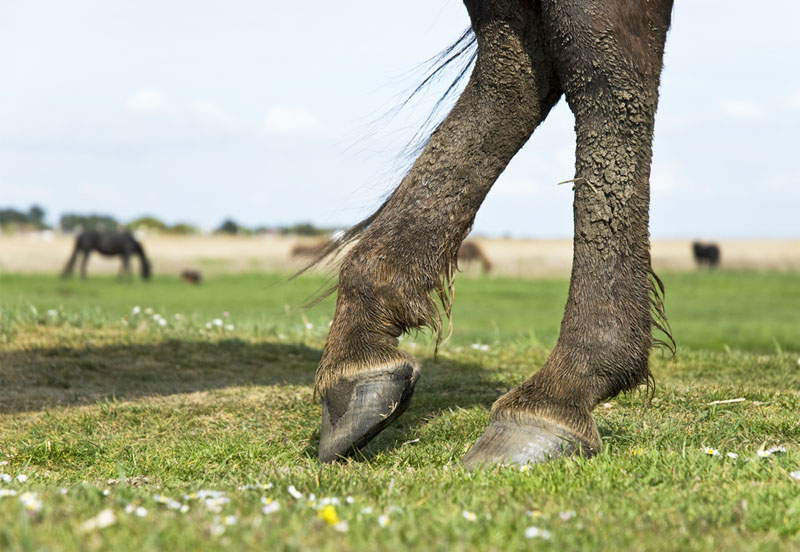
70, 263
84, 261
409, 248
608, 57
125, 269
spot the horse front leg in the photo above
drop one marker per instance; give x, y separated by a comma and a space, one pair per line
125, 269
609, 60
409, 248
70, 266
84, 262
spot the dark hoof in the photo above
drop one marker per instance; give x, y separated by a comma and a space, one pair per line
356, 408
508, 442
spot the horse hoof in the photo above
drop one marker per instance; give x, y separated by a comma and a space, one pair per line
356, 408
507, 442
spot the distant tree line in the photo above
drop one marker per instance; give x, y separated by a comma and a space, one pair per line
72, 222
34, 217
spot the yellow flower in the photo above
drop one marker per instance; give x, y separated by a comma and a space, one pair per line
637, 452
328, 513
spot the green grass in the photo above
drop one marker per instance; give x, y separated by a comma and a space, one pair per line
95, 398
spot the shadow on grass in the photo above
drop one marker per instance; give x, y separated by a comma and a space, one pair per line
46, 378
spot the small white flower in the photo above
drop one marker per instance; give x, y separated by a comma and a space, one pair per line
366, 510
11, 492
162, 322
469, 516
208, 325
102, 520
568, 515
184, 508
4, 463
174, 504
341, 527
130, 508
309, 326
384, 520
270, 506
141, 511
106, 492
281, 336
52, 313
297, 495
534, 532
711, 451
763, 453
31, 502
229, 327
349, 499
63, 491
5, 478
774, 450
216, 528
795, 475
217, 322
230, 520
22, 478
733, 455
136, 310
215, 504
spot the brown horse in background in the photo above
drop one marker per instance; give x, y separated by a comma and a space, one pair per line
471, 252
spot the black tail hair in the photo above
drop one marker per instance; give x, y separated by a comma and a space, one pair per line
463, 50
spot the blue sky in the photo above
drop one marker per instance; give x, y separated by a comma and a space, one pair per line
271, 113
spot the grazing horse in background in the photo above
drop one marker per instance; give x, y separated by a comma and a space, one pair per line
310, 250
605, 57
108, 243
470, 252
706, 254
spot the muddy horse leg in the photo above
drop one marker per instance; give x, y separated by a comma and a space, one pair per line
408, 251
608, 57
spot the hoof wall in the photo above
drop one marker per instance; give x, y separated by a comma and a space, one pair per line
357, 408
507, 442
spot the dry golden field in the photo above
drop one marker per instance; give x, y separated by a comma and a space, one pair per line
48, 252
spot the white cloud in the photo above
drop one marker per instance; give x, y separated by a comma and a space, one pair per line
149, 101
154, 102
209, 112
792, 99
741, 109
292, 121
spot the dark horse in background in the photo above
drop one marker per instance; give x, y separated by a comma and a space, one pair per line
108, 243
605, 58
706, 254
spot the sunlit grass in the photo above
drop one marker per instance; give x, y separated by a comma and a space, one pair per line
113, 418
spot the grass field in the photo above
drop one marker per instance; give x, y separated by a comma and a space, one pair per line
122, 432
